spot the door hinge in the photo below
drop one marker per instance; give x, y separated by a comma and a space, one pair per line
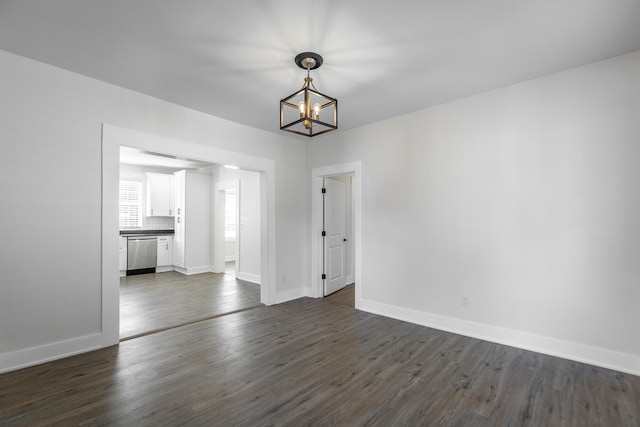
324, 277
324, 233
324, 190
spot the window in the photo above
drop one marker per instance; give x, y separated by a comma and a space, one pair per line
130, 204
230, 215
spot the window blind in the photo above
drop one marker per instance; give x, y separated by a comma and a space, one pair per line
130, 204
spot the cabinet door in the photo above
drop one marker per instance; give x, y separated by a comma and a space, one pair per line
178, 191
165, 251
179, 230
172, 196
179, 242
160, 199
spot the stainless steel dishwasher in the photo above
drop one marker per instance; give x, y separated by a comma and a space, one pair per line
142, 254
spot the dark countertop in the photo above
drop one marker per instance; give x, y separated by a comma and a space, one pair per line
135, 232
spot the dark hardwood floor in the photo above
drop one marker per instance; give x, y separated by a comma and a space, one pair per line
315, 362
153, 302
346, 296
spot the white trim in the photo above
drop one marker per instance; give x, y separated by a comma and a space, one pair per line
290, 295
110, 266
46, 353
268, 237
317, 174
351, 277
568, 350
253, 278
194, 270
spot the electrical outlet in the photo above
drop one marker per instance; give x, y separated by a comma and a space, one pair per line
464, 300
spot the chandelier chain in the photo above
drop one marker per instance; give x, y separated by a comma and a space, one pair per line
309, 81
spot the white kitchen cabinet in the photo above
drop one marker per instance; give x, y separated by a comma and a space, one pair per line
160, 194
165, 251
178, 236
192, 231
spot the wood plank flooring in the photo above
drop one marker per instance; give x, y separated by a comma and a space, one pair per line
152, 302
315, 362
346, 296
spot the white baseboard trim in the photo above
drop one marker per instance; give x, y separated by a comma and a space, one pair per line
290, 295
180, 270
248, 277
622, 362
215, 269
45, 353
164, 269
193, 270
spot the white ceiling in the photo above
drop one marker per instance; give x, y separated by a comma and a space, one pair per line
382, 58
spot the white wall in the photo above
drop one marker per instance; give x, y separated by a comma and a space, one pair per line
50, 133
198, 220
230, 250
525, 199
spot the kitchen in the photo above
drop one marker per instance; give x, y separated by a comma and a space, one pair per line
168, 213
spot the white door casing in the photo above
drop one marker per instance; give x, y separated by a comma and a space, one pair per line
112, 138
316, 288
335, 216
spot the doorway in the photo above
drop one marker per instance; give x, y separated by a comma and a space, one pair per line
337, 248
351, 173
112, 138
226, 225
231, 234
239, 252
181, 289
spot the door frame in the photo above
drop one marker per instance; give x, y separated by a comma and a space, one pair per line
112, 138
317, 175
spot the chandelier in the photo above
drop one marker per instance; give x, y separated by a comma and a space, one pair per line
307, 111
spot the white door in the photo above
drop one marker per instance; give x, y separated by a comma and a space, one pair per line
335, 238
